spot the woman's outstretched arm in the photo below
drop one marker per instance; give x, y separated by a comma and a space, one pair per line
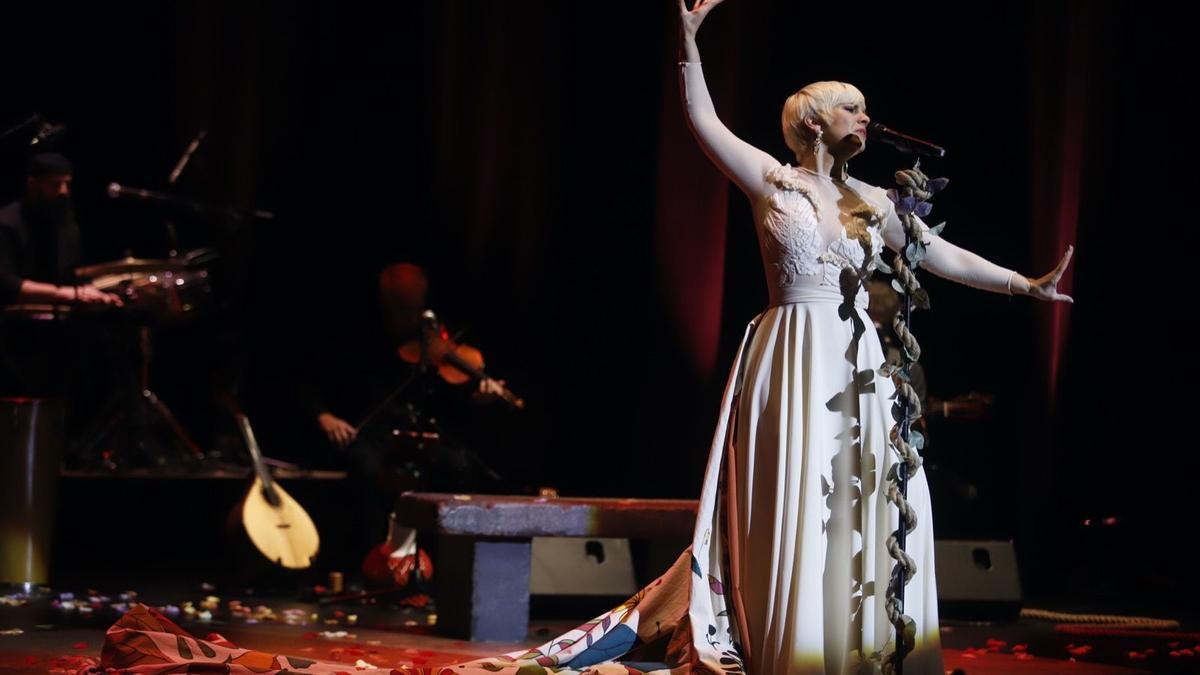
743, 163
958, 264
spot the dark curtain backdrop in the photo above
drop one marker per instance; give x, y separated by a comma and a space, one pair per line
534, 159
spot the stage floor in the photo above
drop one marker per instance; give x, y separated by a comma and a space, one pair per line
51, 634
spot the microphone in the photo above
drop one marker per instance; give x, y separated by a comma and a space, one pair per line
429, 320
429, 327
47, 133
116, 190
904, 142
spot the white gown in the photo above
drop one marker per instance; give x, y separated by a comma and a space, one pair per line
801, 453
811, 455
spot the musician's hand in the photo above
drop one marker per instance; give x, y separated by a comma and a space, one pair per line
339, 432
489, 390
491, 387
90, 295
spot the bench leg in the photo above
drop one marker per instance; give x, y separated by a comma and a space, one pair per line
483, 588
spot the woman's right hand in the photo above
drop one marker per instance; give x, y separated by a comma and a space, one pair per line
1046, 287
337, 430
690, 19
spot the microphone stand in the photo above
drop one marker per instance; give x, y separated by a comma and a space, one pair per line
911, 199
172, 178
43, 132
116, 190
423, 366
32, 121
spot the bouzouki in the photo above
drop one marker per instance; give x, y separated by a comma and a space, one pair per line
277, 525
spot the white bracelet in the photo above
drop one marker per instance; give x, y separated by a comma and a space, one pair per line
1008, 284
689, 63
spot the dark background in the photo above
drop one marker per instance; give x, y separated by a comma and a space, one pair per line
524, 154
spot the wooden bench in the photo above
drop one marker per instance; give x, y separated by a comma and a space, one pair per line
485, 545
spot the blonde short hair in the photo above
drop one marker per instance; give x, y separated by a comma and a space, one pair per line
815, 100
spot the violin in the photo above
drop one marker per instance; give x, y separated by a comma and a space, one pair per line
456, 363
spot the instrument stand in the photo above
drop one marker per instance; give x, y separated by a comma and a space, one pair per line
423, 427
445, 445
135, 426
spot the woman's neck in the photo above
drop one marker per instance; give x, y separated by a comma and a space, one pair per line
824, 165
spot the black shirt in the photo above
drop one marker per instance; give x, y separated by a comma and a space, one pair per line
36, 248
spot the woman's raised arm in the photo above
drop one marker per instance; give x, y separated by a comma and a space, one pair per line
743, 163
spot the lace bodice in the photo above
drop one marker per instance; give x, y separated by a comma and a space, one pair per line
797, 259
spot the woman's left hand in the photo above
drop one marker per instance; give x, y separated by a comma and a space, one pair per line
690, 19
1046, 287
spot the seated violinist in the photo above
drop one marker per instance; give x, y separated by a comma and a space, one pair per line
402, 422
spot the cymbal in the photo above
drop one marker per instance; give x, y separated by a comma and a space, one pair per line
145, 281
37, 312
131, 264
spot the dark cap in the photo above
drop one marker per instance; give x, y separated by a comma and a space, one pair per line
48, 164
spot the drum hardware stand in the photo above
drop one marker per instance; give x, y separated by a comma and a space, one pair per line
144, 409
131, 415
172, 233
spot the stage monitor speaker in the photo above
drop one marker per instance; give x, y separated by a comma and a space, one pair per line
579, 577
977, 580
581, 566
